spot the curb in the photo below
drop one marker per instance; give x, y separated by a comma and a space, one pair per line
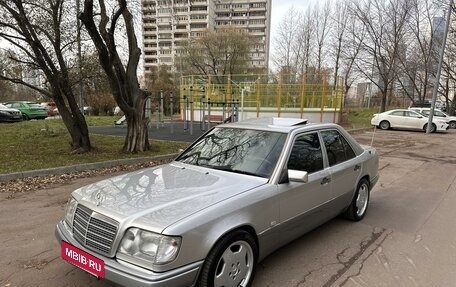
81, 167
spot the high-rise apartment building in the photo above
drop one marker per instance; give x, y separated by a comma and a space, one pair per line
168, 23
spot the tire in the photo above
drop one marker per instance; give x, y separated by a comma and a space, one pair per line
25, 117
358, 207
452, 125
231, 262
433, 128
385, 125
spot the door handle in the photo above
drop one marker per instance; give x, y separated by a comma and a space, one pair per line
325, 181
357, 167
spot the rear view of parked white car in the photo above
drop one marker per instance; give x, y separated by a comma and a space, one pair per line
407, 119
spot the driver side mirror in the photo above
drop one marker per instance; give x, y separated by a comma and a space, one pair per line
298, 176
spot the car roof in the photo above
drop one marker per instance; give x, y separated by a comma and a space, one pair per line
24, 102
276, 124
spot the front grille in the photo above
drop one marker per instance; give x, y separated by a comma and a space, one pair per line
94, 230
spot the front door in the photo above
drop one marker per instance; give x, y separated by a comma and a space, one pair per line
302, 205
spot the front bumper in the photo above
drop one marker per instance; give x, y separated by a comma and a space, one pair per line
133, 276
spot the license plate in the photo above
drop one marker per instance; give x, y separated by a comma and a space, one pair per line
83, 260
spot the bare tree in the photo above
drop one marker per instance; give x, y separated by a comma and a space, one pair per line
352, 44
448, 87
222, 52
385, 25
419, 63
304, 44
122, 78
288, 48
322, 23
338, 32
42, 40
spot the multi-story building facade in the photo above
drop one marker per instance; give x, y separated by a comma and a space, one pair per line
168, 23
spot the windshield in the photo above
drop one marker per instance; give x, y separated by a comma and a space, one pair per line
251, 152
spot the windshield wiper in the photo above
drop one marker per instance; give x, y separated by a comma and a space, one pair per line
244, 172
220, 167
228, 168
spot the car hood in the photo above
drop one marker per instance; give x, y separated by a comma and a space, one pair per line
158, 197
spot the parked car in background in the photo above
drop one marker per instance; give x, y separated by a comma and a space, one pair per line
421, 104
439, 114
407, 119
51, 108
234, 196
29, 110
9, 114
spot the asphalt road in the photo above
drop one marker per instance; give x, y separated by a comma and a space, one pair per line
408, 237
170, 131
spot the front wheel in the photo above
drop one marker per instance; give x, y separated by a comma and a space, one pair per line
452, 125
433, 128
360, 202
231, 263
385, 125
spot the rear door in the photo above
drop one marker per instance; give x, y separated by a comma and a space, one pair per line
397, 119
414, 120
344, 167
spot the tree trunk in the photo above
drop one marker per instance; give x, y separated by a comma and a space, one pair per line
137, 139
75, 123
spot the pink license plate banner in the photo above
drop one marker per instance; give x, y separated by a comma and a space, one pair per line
83, 260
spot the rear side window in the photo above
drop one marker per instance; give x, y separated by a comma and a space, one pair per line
306, 154
337, 147
412, 114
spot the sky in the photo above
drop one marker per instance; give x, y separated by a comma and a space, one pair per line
278, 12
280, 7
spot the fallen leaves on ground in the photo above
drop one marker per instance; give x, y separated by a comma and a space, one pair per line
36, 183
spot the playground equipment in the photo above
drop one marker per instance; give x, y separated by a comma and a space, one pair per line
209, 100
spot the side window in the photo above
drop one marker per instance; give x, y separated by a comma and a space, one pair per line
412, 114
398, 113
306, 154
439, 114
337, 147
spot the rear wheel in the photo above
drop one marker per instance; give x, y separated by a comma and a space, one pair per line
360, 202
231, 263
452, 125
384, 125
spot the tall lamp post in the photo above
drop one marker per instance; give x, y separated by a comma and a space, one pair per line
78, 40
439, 69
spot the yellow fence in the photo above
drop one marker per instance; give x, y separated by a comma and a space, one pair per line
261, 93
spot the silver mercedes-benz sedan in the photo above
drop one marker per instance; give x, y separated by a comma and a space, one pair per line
207, 218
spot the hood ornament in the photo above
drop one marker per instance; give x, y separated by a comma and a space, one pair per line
99, 198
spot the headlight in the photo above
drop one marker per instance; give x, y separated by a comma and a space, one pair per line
143, 247
69, 211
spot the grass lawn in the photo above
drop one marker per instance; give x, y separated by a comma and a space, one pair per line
31, 145
361, 117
